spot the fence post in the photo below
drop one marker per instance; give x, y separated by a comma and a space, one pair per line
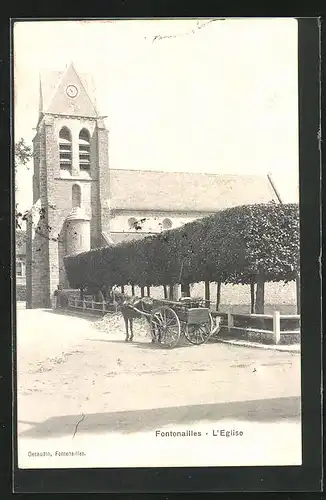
84, 305
277, 327
230, 321
103, 306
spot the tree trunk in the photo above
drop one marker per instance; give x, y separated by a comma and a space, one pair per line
133, 290
142, 294
252, 297
218, 295
173, 292
176, 292
148, 288
165, 290
298, 290
260, 295
207, 291
185, 290
122, 289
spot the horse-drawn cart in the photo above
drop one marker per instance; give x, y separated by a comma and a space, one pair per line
169, 320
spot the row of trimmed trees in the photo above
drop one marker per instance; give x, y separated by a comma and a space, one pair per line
250, 244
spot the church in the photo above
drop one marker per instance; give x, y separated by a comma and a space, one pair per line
80, 202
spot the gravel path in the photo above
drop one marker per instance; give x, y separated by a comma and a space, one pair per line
80, 383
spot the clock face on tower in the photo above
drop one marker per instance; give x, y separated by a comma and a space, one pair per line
71, 91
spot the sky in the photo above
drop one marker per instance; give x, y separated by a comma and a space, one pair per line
198, 95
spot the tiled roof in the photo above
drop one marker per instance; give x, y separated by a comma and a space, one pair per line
181, 191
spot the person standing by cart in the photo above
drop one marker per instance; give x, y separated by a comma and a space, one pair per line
56, 298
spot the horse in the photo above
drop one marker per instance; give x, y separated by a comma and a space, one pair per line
127, 305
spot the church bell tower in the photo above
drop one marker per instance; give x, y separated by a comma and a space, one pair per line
70, 181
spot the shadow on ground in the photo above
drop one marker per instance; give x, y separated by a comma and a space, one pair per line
65, 312
144, 343
148, 344
263, 410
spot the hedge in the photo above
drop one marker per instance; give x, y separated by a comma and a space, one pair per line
232, 246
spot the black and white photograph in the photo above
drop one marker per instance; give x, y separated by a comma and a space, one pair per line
157, 243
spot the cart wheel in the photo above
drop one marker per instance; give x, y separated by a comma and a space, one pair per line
165, 327
199, 334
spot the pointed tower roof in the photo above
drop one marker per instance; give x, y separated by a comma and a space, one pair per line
67, 93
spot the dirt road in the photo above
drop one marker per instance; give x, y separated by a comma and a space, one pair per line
80, 383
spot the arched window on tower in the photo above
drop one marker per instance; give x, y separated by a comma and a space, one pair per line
76, 196
65, 150
84, 150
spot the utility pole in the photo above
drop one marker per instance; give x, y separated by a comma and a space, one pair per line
277, 194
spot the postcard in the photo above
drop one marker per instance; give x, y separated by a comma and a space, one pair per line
157, 243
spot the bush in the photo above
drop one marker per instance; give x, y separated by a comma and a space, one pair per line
233, 246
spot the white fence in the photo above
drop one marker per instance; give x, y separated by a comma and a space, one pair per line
88, 304
275, 328
267, 328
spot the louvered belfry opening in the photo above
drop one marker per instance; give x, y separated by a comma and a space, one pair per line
65, 149
84, 150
